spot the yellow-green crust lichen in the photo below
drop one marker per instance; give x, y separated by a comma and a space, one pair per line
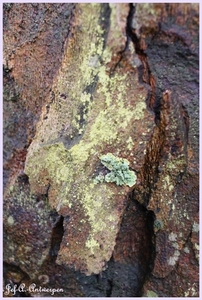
91, 112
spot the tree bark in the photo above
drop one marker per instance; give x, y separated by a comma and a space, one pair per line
82, 81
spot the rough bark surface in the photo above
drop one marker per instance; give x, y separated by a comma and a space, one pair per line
80, 81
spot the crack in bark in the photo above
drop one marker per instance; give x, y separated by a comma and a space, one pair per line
167, 112
121, 53
146, 74
170, 136
56, 238
109, 290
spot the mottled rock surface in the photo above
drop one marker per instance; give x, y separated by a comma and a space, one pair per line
34, 36
81, 81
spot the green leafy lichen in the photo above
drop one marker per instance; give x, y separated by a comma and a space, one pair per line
158, 224
151, 294
120, 173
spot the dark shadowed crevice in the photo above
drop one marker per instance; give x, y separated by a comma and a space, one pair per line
104, 20
110, 287
130, 19
57, 234
145, 73
134, 252
120, 54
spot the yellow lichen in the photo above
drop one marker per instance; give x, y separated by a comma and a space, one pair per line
92, 244
10, 220
104, 117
